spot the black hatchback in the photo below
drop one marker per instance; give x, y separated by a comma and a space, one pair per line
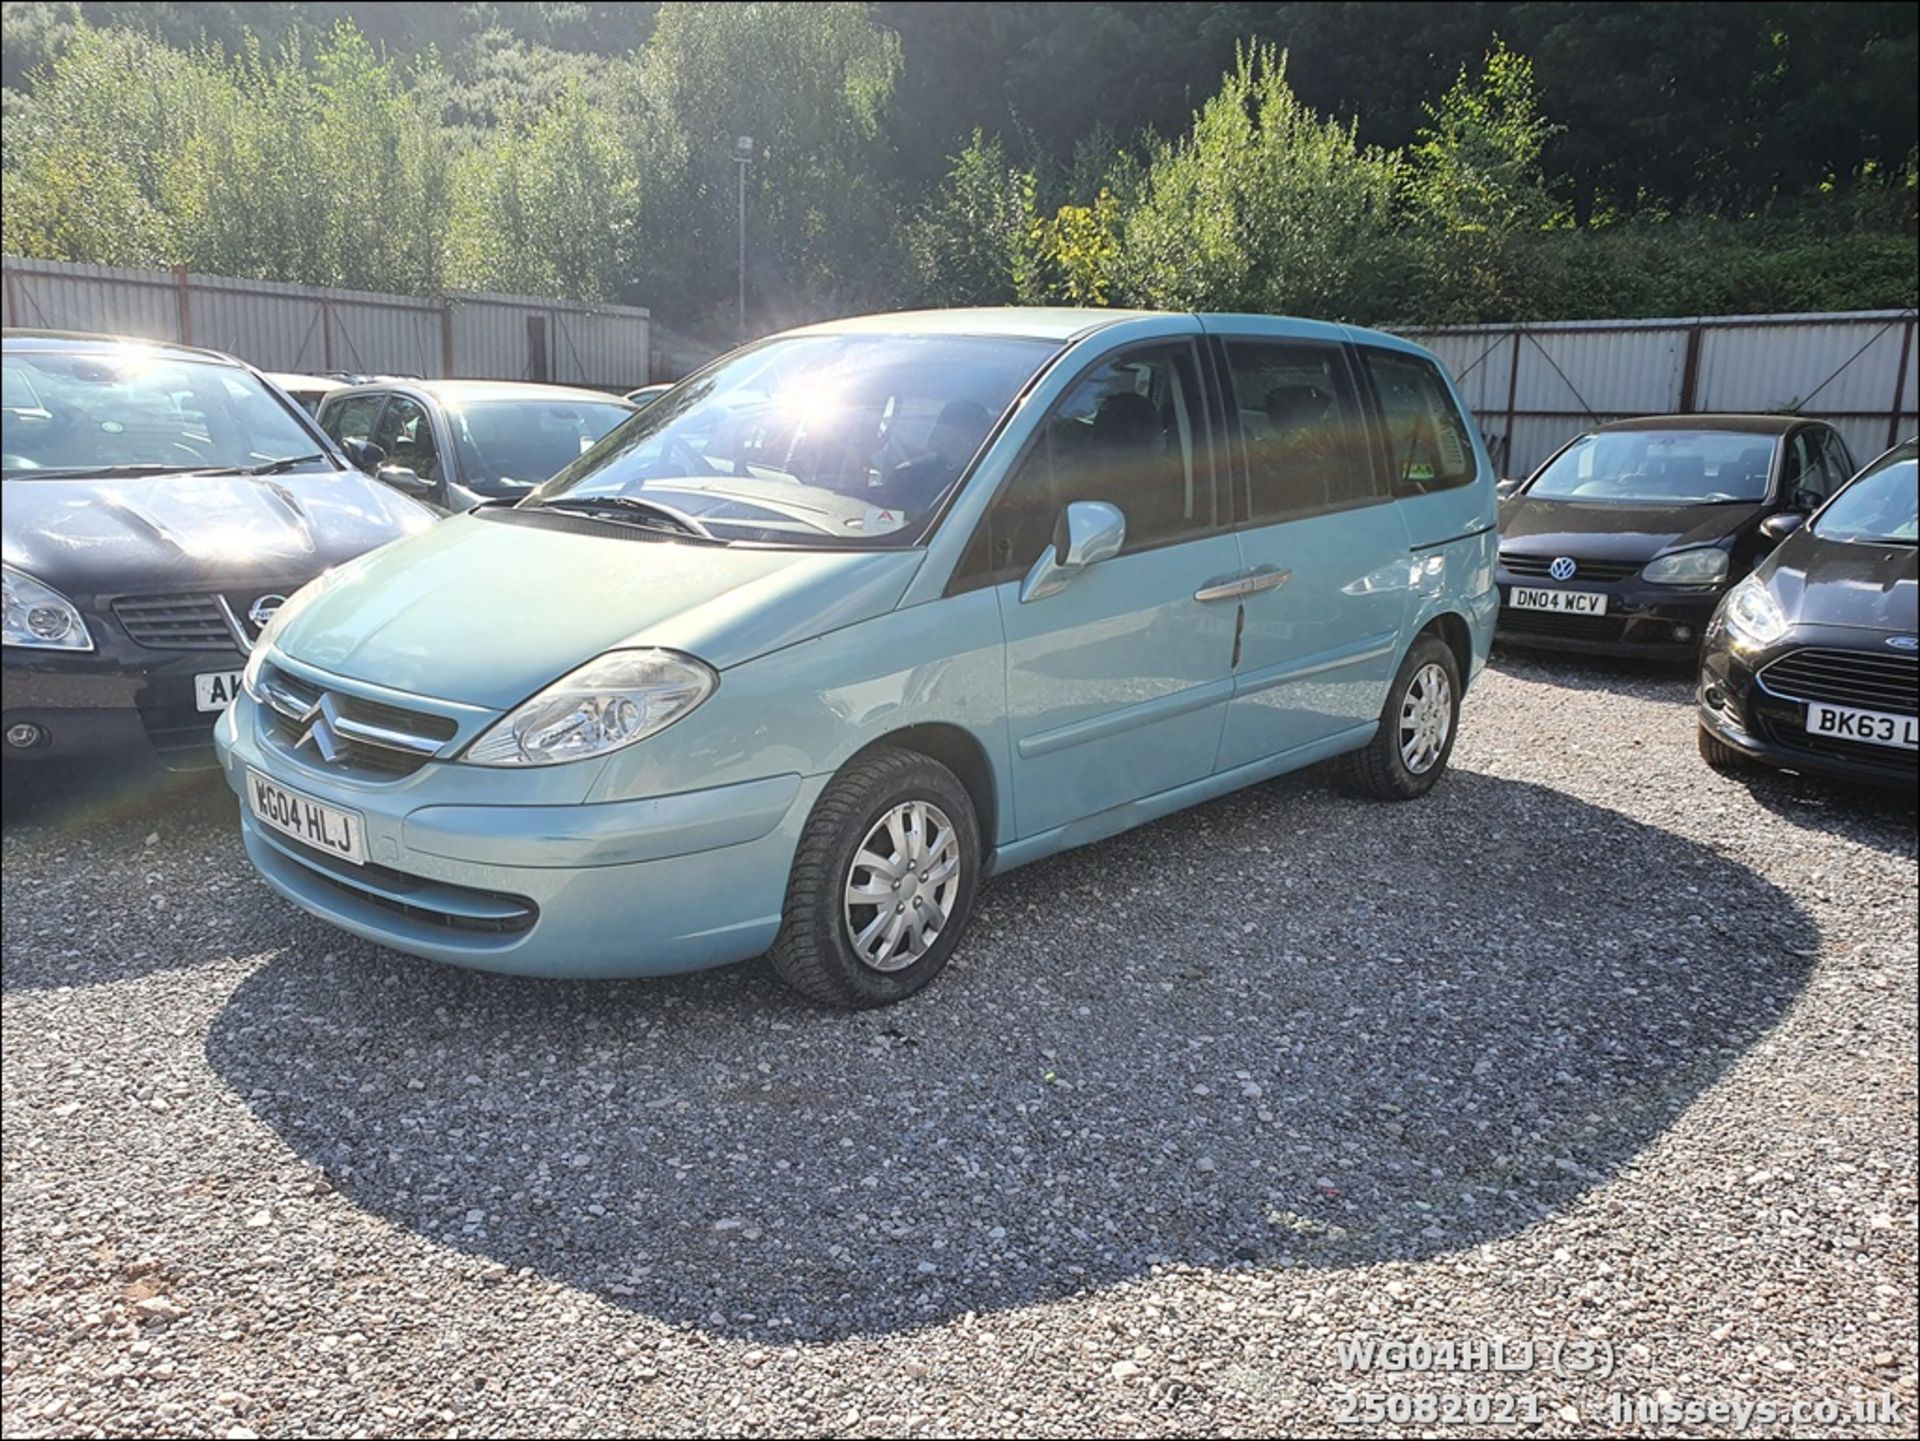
1813, 661
1625, 540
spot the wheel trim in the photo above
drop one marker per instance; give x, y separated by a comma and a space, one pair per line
1426, 718
901, 886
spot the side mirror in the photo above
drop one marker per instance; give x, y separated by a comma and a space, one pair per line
1506, 488
404, 480
1088, 532
363, 453
1781, 524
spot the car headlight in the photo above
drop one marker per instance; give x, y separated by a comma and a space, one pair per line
1753, 616
622, 697
1704, 565
39, 617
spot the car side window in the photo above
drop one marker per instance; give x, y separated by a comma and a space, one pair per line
1300, 422
405, 433
1839, 460
351, 418
1807, 466
1429, 447
1131, 432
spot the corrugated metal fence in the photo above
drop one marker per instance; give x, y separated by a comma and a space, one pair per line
312, 329
1534, 385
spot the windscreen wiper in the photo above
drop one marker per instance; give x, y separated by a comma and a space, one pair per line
650, 514
103, 472
266, 467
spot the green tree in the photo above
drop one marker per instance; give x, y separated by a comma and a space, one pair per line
973, 242
810, 83
1477, 185
548, 206
1262, 206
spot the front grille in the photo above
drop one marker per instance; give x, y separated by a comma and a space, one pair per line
353, 732
175, 622
1865, 680
1584, 570
1556, 624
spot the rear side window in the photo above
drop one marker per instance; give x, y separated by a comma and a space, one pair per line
1429, 447
1300, 421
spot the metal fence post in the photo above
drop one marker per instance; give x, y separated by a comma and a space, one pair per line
183, 304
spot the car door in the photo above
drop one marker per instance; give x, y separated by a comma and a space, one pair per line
1816, 467
1117, 684
1323, 545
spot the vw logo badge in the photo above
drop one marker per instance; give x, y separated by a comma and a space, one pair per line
1562, 568
261, 611
1904, 642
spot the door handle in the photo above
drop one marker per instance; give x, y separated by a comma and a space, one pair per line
1245, 584
1228, 587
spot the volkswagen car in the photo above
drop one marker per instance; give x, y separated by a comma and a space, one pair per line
1624, 541
161, 502
1813, 662
798, 656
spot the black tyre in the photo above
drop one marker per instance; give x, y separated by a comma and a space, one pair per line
1718, 754
883, 882
1422, 715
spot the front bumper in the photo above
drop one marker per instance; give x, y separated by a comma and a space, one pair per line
620, 888
1741, 712
110, 702
1663, 622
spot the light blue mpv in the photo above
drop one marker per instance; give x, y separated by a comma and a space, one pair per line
857, 616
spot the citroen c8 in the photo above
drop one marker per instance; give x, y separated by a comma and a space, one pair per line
797, 656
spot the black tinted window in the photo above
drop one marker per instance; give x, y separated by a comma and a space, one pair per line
1306, 444
1428, 444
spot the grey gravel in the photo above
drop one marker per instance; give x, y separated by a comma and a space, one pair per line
1592, 1045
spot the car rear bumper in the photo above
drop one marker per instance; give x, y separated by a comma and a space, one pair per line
640, 887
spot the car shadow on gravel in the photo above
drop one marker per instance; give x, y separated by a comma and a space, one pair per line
1283, 1029
1652, 677
1880, 817
119, 869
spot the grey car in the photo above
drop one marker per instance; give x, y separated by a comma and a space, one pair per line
457, 443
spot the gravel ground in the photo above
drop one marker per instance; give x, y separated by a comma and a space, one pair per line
1593, 1050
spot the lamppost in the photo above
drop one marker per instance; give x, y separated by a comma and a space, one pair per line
743, 157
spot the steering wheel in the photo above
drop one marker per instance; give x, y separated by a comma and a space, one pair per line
681, 452
693, 525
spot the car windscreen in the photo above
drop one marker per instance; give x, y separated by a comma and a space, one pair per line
1659, 467
846, 440
509, 446
1881, 505
73, 413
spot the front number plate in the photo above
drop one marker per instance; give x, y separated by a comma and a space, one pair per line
213, 690
1902, 732
1567, 602
326, 828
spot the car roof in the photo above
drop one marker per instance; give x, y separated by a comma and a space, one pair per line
1740, 424
457, 392
72, 342
1060, 323
295, 380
